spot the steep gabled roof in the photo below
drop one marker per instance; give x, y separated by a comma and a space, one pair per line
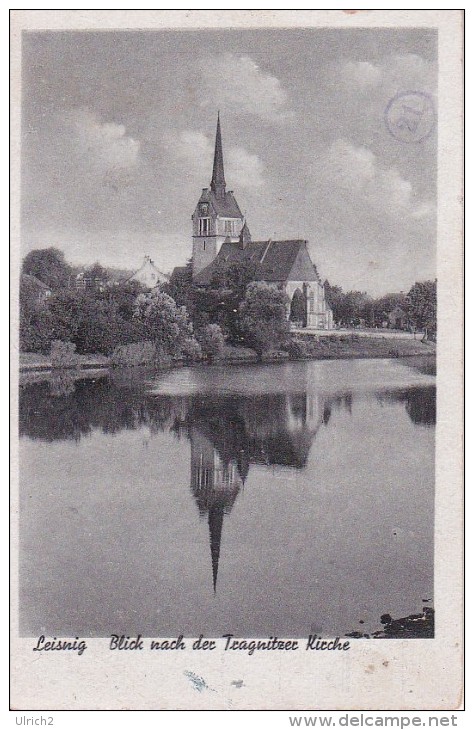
225, 206
274, 261
35, 281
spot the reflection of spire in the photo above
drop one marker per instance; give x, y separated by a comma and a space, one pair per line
215, 519
215, 484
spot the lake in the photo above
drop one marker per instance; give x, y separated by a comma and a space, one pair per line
281, 499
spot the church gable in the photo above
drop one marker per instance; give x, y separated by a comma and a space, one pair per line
303, 268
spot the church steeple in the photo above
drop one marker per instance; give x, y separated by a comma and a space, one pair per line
218, 179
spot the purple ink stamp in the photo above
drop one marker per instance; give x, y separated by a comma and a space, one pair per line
410, 116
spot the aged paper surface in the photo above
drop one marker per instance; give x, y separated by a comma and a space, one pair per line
314, 502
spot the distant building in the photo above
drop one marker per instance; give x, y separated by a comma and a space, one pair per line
398, 319
221, 236
84, 280
37, 291
148, 275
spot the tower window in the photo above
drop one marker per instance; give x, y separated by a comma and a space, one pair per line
204, 246
229, 228
204, 226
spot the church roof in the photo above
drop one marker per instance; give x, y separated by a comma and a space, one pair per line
274, 261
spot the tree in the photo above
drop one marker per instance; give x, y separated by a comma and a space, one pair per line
219, 303
262, 316
96, 276
348, 308
180, 287
49, 266
66, 308
386, 304
421, 307
163, 322
211, 340
335, 300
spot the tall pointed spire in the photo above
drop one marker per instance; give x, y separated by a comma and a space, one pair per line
218, 179
215, 520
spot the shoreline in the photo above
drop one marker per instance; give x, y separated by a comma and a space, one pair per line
369, 348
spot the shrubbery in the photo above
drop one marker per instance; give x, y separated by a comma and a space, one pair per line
297, 349
63, 355
137, 353
191, 350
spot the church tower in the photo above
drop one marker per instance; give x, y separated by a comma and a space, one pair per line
217, 217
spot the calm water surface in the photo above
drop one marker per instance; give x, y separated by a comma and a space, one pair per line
257, 500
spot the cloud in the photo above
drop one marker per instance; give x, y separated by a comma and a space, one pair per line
239, 85
242, 168
104, 145
390, 74
361, 73
190, 145
357, 174
426, 209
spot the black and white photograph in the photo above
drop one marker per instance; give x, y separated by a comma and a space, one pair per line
228, 306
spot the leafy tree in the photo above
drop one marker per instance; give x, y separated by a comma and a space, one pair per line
334, 298
180, 287
219, 303
421, 306
211, 340
96, 276
350, 307
35, 330
164, 323
263, 317
99, 327
124, 296
66, 308
384, 305
234, 275
49, 266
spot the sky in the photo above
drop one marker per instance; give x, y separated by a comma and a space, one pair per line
118, 133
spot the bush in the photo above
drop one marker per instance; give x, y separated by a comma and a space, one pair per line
191, 350
63, 355
137, 353
211, 340
297, 349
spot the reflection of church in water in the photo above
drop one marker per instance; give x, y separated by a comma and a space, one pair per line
230, 434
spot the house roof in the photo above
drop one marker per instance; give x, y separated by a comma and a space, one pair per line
274, 261
178, 271
37, 282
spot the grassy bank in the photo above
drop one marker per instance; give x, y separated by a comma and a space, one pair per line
333, 347
36, 361
348, 346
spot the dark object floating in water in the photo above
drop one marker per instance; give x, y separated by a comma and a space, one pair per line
415, 626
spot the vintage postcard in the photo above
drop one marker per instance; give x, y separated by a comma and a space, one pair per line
237, 360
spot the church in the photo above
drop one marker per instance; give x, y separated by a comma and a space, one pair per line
221, 237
